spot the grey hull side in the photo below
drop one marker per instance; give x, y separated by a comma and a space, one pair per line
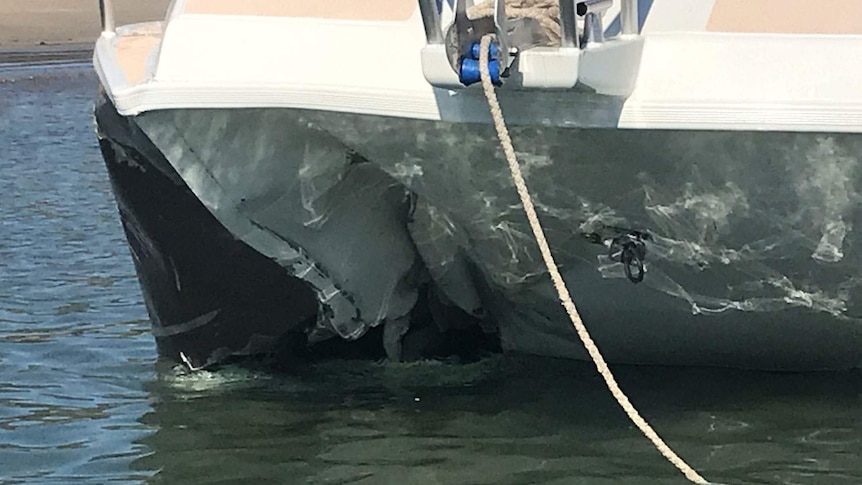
752, 255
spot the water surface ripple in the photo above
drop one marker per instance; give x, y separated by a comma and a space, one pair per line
83, 400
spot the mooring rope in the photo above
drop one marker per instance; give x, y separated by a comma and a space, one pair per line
545, 12
559, 283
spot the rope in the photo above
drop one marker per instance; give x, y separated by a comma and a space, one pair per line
559, 284
545, 12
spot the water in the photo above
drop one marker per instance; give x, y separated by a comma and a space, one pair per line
82, 398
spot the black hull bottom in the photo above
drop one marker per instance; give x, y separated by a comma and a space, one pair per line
208, 294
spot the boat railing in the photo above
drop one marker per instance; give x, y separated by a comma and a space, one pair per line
590, 10
448, 59
629, 18
106, 11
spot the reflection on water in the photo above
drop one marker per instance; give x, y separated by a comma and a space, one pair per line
74, 347
500, 421
82, 398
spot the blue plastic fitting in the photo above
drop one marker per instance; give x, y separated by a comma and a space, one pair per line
470, 71
474, 50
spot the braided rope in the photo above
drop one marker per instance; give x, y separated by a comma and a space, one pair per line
546, 12
559, 283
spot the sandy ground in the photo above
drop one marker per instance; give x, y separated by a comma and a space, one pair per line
27, 25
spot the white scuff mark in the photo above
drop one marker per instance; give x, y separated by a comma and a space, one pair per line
196, 175
559, 213
666, 284
611, 269
702, 256
690, 226
287, 256
813, 298
776, 292
407, 170
793, 297
510, 279
188, 326
177, 282
515, 240
724, 425
830, 248
827, 196
317, 176
697, 216
328, 293
488, 209
212, 129
685, 252
124, 157
531, 161
188, 363
597, 216
383, 309
441, 220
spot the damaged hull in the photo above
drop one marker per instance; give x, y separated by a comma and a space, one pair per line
209, 296
330, 224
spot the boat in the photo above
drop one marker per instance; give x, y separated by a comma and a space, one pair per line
295, 174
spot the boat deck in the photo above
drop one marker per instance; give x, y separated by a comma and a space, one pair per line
137, 49
775, 65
